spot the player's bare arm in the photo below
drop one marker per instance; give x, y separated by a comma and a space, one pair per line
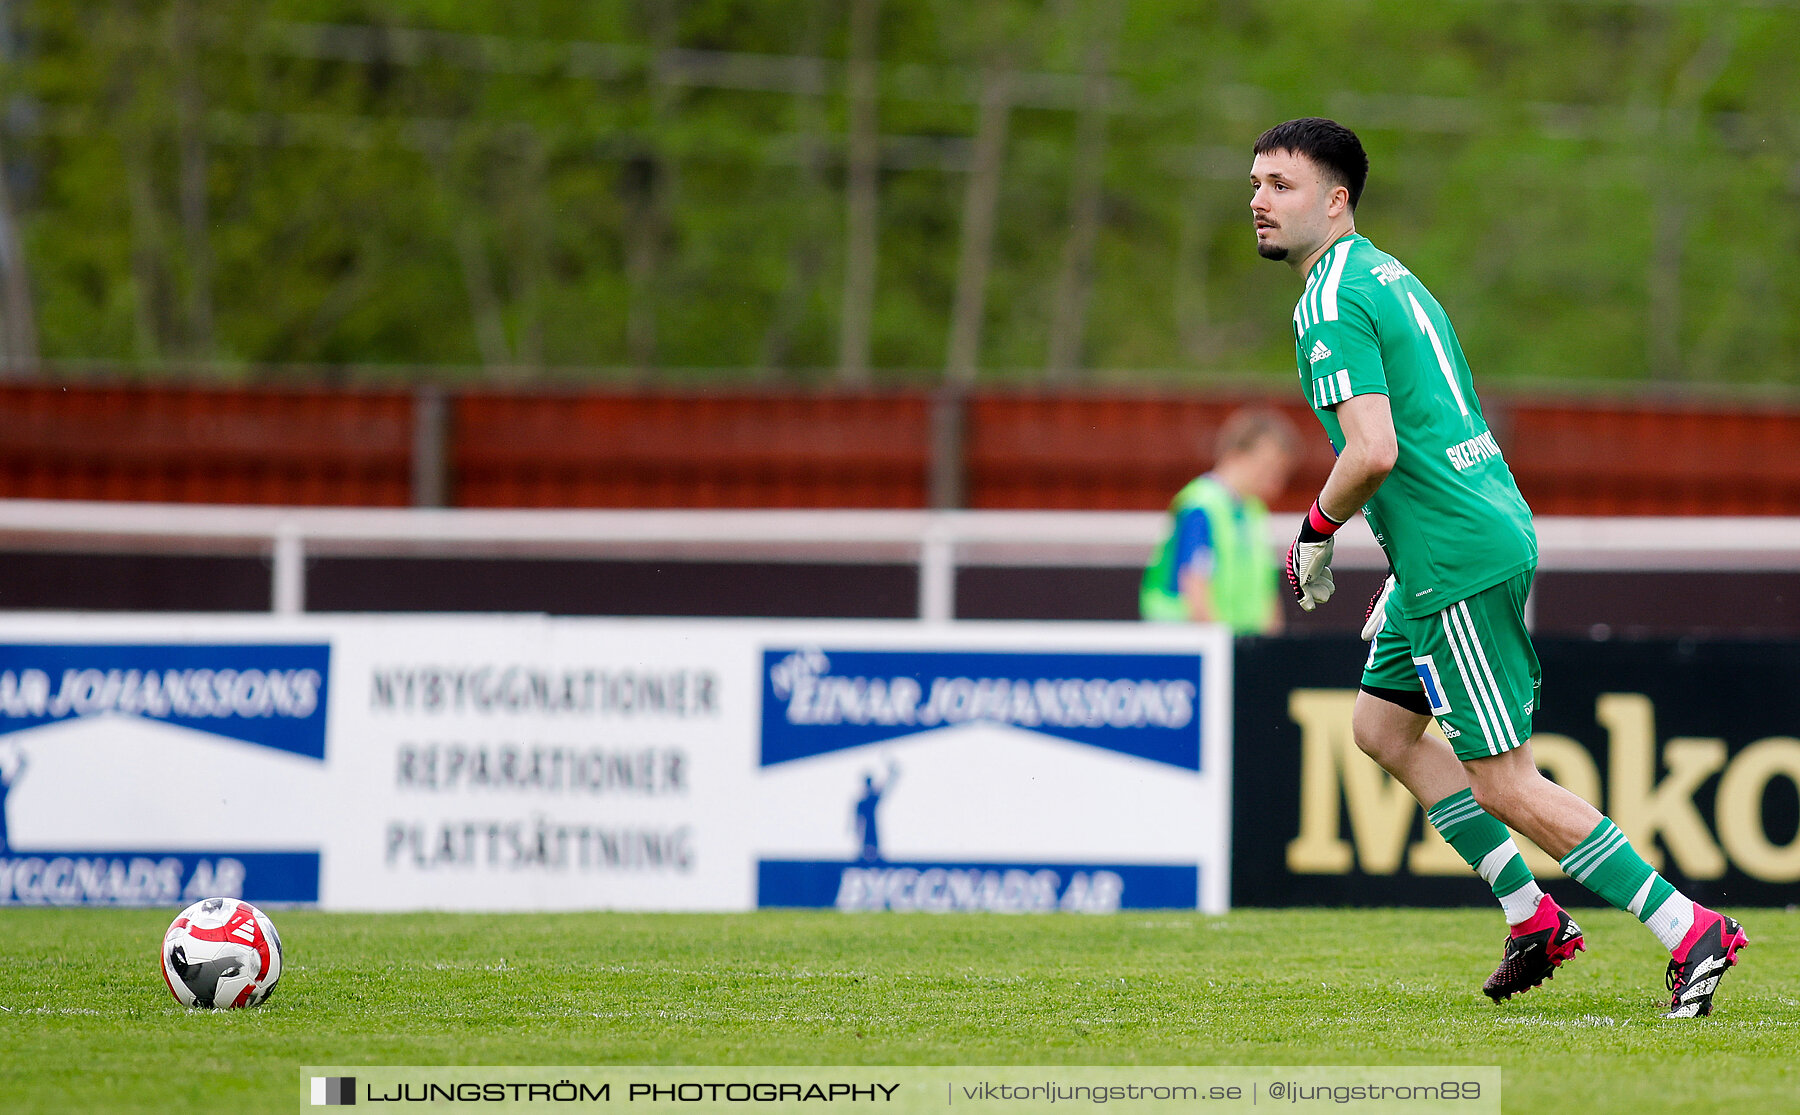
1370, 452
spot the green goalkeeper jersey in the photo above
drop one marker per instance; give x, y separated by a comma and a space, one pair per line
1449, 515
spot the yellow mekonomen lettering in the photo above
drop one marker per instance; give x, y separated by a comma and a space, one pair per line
1655, 815
1382, 811
1644, 808
1739, 809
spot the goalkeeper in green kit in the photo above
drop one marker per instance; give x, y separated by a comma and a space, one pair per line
1385, 375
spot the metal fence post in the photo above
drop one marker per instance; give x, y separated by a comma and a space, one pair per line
949, 437
937, 571
288, 590
431, 447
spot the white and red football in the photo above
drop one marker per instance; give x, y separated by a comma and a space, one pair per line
221, 952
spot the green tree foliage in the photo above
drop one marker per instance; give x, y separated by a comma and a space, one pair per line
655, 188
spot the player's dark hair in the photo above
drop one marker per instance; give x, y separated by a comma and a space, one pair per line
1331, 146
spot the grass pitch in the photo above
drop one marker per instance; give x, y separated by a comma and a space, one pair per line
87, 1025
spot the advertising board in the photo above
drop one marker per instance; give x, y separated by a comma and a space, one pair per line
523, 762
1689, 745
908, 768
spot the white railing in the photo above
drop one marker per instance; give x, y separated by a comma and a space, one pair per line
938, 541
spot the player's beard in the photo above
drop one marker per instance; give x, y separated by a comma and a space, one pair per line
1271, 251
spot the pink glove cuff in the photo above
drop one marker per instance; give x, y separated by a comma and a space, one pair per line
1321, 522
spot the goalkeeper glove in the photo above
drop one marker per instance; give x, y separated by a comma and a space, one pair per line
1309, 559
1376, 619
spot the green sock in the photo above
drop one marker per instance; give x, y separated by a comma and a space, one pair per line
1484, 845
1606, 864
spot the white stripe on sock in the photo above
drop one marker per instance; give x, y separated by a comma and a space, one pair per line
1445, 824
1443, 818
1636, 909
1597, 856
1495, 861
1579, 857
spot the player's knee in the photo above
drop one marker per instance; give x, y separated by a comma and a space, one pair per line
1492, 796
1366, 741
1379, 746
1498, 790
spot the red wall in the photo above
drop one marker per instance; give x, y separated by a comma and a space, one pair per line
657, 450
1608, 459
203, 445
1077, 450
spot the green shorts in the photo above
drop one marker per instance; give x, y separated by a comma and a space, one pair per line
1475, 663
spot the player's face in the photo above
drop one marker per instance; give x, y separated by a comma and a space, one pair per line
1290, 203
1267, 466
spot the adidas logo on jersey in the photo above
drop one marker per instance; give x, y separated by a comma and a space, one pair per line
1318, 353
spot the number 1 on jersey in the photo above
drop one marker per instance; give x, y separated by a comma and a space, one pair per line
1437, 346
